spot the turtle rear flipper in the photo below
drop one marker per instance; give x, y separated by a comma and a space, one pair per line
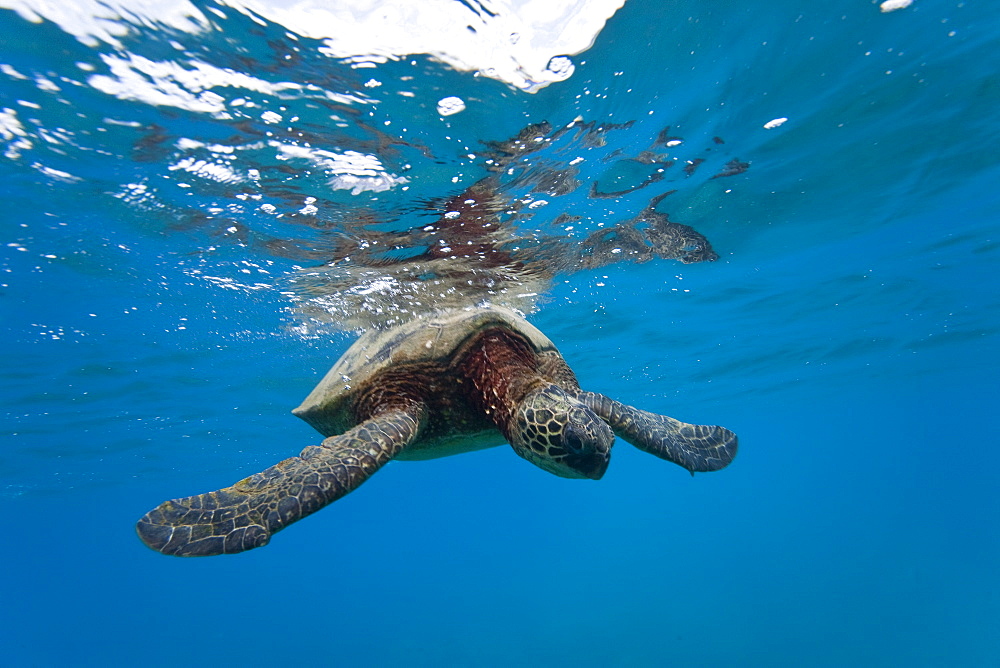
695, 447
245, 515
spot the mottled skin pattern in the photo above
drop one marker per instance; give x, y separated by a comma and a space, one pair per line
530, 397
558, 433
503, 381
696, 447
245, 515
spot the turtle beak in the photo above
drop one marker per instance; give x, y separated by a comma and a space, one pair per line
592, 464
588, 441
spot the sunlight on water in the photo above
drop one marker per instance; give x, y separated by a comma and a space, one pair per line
525, 43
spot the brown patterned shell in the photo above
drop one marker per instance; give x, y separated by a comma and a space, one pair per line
328, 408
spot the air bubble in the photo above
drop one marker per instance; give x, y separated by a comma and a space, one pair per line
450, 105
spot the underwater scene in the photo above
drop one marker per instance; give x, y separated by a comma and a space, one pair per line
752, 246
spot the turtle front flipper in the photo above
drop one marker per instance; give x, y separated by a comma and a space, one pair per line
695, 447
245, 515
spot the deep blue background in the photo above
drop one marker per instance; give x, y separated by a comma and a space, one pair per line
849, 335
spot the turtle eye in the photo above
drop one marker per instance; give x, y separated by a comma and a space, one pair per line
572, 441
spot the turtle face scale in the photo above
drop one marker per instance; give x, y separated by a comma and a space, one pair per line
555, 432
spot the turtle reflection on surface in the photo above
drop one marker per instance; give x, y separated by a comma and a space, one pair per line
474, 253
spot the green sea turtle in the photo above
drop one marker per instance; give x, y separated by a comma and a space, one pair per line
457, 381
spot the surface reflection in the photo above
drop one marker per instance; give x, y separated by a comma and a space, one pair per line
259, 159
477, 252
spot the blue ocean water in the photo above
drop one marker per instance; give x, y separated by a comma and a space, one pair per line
157, 183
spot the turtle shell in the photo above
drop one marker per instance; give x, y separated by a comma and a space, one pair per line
433, 338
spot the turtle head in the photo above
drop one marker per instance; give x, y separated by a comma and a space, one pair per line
554, 431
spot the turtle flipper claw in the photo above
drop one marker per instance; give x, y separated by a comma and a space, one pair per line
695, 447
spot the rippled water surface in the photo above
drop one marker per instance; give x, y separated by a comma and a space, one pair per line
781, 218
